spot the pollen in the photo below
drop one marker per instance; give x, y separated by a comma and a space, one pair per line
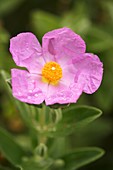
51, 72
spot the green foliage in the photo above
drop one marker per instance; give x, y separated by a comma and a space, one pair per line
72, 161
11, 150
6, 5
62, 146
73, 118
81, 157
99, 41
4, 39
77, 19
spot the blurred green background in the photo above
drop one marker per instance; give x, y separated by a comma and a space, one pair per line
93, 20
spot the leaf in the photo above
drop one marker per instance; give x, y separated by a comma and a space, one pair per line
108, 6
73, 118
99, 39
43, 22
4, 36
90, 135
77, 19
81, 157
10, 149
6, 5
37, 164
61, 144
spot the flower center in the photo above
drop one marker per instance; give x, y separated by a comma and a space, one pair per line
51, 72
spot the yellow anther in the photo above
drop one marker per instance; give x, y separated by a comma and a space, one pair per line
51, 72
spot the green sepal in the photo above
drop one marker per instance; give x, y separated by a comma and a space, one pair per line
57, 106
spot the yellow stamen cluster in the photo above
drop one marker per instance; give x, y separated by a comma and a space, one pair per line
51, 72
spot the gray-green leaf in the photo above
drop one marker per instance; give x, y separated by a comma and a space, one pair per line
10, 149
73, 118
81, 157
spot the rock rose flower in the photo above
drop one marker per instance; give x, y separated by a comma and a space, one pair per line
57, 72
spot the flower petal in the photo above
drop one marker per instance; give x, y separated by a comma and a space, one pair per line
28, 87
26, 51
62, 43
68, 75
89, 71
63, 94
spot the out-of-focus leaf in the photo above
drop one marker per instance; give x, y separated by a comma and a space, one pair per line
99, 40
43, 22
79, 25
8, 5
73, 118
10, 149
108, 5
4, 36
81, 157
5, 60
62, 146
3, 168
77, 19
82, 139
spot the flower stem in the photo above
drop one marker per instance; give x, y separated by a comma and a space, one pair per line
42, 121
42, 116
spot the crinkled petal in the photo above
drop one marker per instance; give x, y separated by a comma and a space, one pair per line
89, 72
28, 87
27, 52
67, 75
63, 94
62, 44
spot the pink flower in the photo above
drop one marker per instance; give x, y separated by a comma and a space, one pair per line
57, 72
